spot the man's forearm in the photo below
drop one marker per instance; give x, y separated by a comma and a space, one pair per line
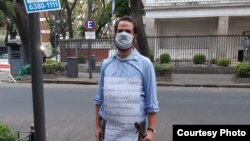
97, 117
152, 117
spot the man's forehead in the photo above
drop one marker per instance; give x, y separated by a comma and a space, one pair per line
125, 24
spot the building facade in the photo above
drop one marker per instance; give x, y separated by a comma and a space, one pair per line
44, 27
196, 17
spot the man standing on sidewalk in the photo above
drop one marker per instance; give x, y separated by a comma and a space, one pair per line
127, 91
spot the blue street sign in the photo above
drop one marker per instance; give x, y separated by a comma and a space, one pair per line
89, 24
33, 6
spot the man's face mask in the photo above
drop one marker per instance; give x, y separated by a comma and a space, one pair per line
123, 40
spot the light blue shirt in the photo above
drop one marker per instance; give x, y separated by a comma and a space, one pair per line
135, 66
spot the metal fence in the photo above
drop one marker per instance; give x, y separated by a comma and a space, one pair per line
180, 48
26, 135
101, 48
29, 136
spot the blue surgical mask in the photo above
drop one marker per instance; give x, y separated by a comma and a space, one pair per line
123, 40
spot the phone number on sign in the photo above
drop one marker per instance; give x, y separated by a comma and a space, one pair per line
45, 5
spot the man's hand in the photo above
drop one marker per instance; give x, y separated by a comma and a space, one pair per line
149, 137
98, 134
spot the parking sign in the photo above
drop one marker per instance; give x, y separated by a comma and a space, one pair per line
33, 6
90, 24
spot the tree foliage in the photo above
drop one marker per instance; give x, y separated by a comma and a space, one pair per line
6, 134
15, 12
2, 19
72, 17
104, 17
64, 20
7, 16
134, 8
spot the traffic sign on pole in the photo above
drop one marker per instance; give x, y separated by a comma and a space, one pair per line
90, 24
33, 6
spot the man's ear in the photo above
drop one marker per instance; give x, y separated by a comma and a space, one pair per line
135, 38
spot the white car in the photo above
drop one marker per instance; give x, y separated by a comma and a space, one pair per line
4, 59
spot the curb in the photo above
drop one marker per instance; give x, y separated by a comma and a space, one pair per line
63, 82
204, 85
90, 82
167, 84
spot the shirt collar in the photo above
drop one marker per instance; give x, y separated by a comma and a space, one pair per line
134, 55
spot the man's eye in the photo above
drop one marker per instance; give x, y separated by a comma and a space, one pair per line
126, 30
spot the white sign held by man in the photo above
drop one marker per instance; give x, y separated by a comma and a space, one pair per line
122, 106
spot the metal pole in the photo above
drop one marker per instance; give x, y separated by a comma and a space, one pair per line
89, 41
37, 77
55, 30
58, 34
113, 8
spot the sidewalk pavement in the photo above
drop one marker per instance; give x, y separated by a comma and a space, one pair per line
178, 80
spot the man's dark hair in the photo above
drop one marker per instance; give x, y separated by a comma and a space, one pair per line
126, 18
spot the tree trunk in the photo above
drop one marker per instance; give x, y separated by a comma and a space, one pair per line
137, 13
69, 19
7, 33
12, 31
23, 28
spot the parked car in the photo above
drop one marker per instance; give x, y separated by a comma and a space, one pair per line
4, 59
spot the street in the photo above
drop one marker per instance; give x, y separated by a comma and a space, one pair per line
69, 109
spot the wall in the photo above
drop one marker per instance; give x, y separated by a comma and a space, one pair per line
186, 27
45, 32
98, 53
239, 24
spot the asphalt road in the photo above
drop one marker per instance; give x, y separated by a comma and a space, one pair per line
69, 109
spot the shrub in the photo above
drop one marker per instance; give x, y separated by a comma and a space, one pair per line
223, 62
164, 58
157, 60
199, 59
81, 60
243, 69
214, 61
52, 66
163, 68
50, 61
6, 134
151, 56
26, 69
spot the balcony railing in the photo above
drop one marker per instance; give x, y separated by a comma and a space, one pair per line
199, 1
